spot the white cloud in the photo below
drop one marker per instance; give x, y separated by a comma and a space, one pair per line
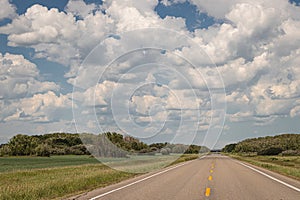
183, 99
59, 37
19, 78
219, 8
251, 18
265, 105
145, 103
145, 7
241, 116
239, 71
255, 49
170, 2
80, 8
56, 35
98, 95
38, 108
295, 111
7, 10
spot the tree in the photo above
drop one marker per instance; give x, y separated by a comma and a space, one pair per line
158, 145
43, 150
5, 150
165, 151
22, 145
270, 145
272, 151
229, 148
193, 149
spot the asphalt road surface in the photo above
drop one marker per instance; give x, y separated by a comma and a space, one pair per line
211, 177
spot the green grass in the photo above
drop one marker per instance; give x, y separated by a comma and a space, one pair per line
26, 163
143, 164
185, 157
286, 165
62, 176
56, 182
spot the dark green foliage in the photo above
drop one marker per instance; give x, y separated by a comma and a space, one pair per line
229, 148
270, 145
4, 150
193, 149
44, 145
79, 149
108, 144
272, 151
42, 150
158, 145
21, 145
154, 149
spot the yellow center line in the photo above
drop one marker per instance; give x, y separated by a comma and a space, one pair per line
207, 192
210, 178
211, 171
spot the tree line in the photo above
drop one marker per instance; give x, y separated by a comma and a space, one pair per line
285, 144
109, 144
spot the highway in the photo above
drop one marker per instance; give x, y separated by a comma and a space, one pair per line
213, 177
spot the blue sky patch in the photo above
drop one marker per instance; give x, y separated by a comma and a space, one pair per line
194, 18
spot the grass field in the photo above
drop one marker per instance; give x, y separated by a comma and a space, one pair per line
143, 164
286, 165
26, 163
61, 176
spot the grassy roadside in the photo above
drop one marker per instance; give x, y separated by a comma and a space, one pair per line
184, 158
8, 164
60, 176
285, 165
55, 182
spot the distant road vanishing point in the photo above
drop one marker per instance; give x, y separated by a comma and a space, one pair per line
211, 177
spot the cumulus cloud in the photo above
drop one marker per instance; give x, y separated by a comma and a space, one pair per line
213, 8
80, 8
24, 94
242, 49
258, 63
253, 56
38, 108
295, 111
20, 78
97, 95
53, 34
7, 10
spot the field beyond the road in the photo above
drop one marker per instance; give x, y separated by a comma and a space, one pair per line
59, 176
286, 165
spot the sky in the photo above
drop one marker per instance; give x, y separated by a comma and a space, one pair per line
207, 72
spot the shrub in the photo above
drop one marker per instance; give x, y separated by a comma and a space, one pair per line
42, 150
165, 151
78, 150
143, 151
5, 150
229, 148
291, 153
272, 151
154, 149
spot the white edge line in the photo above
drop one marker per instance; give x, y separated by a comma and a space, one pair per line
141, 180
270, 177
